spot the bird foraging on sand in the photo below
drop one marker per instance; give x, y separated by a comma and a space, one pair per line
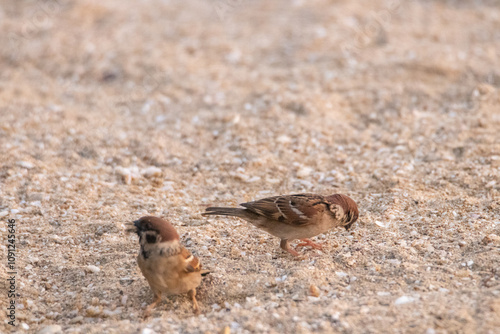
167, 266
299, 216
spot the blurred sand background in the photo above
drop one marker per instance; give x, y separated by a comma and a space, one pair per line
111, 110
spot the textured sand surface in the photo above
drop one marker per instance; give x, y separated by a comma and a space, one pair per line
111, 110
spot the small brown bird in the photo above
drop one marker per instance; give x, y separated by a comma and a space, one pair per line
291, 217
167, 266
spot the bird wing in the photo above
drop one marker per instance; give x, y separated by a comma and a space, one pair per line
290, 209
191, 262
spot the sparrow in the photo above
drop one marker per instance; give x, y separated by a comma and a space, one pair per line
167, 266
299, 216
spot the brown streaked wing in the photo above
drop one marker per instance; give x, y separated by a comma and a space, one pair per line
264, 207
289, 209
192, 263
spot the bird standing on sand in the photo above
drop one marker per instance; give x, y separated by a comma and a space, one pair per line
291, 217
165, 263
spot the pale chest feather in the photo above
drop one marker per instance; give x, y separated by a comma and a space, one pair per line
166, 273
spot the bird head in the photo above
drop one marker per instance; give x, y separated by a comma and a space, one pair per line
152, 230
349, 207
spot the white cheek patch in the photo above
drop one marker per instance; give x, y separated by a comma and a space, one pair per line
337, 212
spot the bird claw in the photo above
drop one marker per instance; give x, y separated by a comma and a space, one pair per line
285, 245
308, 242
149, 309
147, 312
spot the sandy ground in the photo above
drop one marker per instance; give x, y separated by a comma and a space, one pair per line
111, 110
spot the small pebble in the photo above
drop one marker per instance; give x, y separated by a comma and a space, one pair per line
404, 300
284, 139
25, 164
489, 239
109, 313
92, 269
76, 320
124, 299
51, 329
314, 291
93, 311
304, 172
151, 171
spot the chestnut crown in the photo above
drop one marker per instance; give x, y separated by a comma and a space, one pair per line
155, 229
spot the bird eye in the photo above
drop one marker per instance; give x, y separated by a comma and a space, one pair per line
150, 239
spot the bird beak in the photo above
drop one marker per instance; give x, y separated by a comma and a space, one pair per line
132, 227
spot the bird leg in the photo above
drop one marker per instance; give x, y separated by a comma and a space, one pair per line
308, 242
192, 295
151, 306
285, 245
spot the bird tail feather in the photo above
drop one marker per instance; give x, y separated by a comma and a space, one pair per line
218, 211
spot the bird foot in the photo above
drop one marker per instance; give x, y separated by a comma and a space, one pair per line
308, 242
192, 295
285, 245
149, 309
